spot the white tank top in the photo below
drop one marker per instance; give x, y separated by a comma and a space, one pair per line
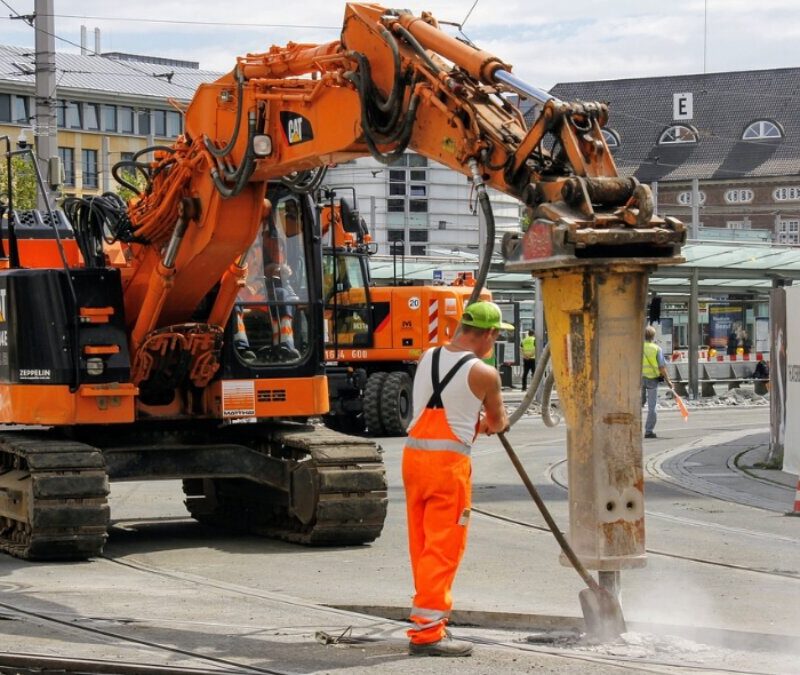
461, 406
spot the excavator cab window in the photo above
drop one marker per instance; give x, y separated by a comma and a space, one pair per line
272, 312
346, 301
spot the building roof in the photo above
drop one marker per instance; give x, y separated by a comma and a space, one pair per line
79, 73
722, 267
725, 104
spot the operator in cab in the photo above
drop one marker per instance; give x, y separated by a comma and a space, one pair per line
456, 397
268, 299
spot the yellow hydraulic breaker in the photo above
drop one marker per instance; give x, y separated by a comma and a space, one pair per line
593, 251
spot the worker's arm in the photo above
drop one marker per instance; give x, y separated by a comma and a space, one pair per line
662, 368
484, 381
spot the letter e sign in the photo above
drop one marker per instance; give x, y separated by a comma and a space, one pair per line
683, 106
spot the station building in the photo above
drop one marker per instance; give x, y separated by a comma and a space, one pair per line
736, 133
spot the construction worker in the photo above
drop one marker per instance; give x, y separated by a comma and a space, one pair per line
654, 367
278, 273
451, 387
528, 346
268, 294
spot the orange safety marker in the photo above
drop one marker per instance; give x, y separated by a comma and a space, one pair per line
796, 510
681, 406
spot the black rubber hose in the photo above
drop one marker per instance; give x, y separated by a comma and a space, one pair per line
371, 113
397, 85
488, 250
418, 48
222, 152
128, 164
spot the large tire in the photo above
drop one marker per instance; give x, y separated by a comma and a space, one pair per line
372, 404
396, 405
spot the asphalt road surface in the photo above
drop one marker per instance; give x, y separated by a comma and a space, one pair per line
720, 592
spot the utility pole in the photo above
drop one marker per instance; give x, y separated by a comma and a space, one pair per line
45, 127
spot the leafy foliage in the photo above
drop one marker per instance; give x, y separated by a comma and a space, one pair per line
23, 182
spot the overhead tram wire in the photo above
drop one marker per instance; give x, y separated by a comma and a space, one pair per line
132, 19
474, 4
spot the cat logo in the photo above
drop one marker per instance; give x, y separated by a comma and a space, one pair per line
296, 127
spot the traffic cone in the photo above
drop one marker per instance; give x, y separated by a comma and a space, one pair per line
796, 510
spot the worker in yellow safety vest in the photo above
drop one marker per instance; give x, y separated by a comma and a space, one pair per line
528, 346
654, 367
456, 397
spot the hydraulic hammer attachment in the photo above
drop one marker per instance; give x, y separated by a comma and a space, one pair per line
593, 245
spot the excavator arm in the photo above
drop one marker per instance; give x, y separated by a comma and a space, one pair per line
393, 81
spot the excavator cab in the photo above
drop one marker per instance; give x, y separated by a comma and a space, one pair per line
272, 317
348, 318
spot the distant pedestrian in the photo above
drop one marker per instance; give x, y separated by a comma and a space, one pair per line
451, 388
654, 368
528, 346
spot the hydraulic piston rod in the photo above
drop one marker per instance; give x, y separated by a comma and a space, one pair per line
523, 88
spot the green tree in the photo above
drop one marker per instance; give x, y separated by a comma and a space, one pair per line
134, 178
23, 182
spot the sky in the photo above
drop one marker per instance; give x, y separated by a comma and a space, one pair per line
545, 42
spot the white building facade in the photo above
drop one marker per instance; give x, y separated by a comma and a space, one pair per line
426, 206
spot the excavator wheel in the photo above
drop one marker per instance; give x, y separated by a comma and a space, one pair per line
396, 406
53, 498
336, 493
372, 403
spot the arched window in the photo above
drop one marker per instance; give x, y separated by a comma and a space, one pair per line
678, 134
762, 129
612, 138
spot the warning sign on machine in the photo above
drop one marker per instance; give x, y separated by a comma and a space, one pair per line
238, 398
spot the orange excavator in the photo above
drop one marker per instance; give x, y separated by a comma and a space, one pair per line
146, 352
376, 332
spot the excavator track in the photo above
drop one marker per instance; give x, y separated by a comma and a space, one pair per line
336, 493
53, 498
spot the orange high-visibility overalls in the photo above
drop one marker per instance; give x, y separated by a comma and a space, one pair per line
436, 475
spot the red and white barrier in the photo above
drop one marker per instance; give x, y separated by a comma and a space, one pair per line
433, 321
702, 355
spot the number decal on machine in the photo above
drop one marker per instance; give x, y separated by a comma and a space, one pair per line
413, 303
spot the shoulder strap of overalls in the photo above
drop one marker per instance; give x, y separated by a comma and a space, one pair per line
435, 400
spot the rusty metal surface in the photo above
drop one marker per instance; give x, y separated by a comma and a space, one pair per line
595, 317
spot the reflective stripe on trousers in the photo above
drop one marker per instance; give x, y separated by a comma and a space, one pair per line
438, 502
437, 444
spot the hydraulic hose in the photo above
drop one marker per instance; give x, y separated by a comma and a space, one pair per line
222, 152
527, 399
488, 214
483, 272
